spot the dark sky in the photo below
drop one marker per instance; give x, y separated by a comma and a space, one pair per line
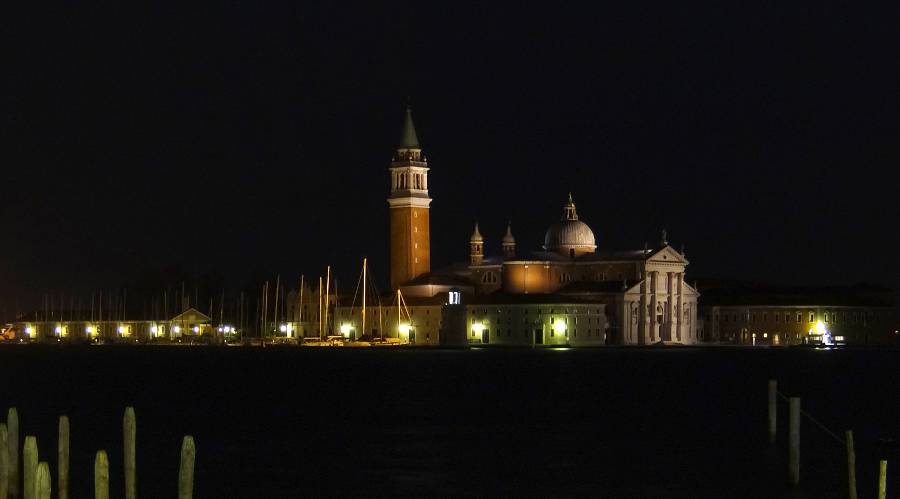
249, 139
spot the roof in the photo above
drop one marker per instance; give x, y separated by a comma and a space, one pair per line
755, 294
596, 286
439, 279
408, 137
501, 298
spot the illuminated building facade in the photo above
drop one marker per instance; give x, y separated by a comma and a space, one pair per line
790, 315
641, 295
81, 327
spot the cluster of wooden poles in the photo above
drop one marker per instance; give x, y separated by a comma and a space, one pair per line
36, 478
794, 443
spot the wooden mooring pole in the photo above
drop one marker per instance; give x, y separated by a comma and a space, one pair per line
12, 427
29, 466
794, 442
186, 473
882, 479
42, 481
4, 462
62, 466
851, 464
129, 431
773, 411
101, 475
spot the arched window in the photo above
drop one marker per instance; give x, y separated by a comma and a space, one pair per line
489, 278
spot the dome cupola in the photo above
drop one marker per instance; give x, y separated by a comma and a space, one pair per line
570, 236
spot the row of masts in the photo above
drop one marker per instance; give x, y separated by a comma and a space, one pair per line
110, 307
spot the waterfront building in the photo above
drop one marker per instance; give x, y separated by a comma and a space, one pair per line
80, 326
566, 293
749, 314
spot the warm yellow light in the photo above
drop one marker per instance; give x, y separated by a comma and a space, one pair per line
404, 329
478, 328
820, 328
122, 329
283, 328
176, 329
559, 326
29, 331
196, 329
154, 329
58, 330
89, 329
345, 329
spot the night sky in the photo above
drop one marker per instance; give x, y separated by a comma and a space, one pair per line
227, 144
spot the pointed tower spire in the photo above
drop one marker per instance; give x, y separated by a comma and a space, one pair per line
509, 242
476, 247
408, 137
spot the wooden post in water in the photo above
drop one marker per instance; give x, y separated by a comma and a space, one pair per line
4, 462
186, 473
773, 409
794, 442
129, 430
12, 447
101, 475
63, 464
29, 466
882, 479
851, 464
42, 481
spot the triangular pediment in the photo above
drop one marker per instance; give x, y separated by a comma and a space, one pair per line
667, 254
191, 315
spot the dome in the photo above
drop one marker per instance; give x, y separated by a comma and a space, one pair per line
570, 235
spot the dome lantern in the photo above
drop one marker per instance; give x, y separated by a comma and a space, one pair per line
570, 236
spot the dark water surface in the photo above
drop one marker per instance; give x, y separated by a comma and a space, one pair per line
679, 422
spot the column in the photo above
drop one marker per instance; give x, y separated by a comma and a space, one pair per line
642, 312
654, 327
681, 329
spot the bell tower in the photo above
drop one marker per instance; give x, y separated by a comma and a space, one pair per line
409, 205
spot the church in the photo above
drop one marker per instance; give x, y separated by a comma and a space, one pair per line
567, 292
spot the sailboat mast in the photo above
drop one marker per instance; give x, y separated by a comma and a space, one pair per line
321, 331
327, 294
277, 286
300, 303
364, 298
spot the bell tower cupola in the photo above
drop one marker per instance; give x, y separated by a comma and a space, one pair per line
476, 247
409, 208
509, 243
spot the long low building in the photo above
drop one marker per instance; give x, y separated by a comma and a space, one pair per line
457, 319
80, 327
748, 314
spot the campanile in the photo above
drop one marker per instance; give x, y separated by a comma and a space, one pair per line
409, 202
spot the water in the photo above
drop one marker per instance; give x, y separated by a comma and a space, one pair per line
667, 423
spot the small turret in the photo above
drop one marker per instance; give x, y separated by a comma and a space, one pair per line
476, 247
509, 242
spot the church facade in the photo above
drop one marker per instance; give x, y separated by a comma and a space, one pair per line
567, 292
